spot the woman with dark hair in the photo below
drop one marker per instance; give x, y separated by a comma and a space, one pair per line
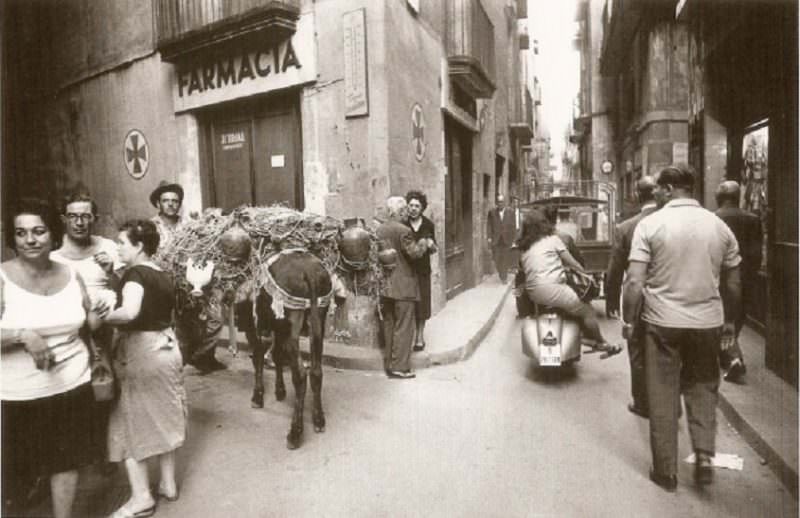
544, 257
149, 419
421, 229
47, 399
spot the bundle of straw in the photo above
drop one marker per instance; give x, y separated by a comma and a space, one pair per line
271, 229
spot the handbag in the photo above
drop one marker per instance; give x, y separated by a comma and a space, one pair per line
104, 383
582, 284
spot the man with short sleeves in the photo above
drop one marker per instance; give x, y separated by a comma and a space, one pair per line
683, 280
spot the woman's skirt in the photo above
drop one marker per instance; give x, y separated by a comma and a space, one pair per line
422, 308
150, 415
558, 296
49, 435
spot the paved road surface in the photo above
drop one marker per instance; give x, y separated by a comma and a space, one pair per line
486, 437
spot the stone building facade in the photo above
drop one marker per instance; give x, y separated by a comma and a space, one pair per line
328, 106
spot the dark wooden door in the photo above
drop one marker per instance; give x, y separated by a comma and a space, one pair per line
232, 160
275, 160
458, 213
253, 154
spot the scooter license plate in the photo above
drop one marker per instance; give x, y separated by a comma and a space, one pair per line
550, 355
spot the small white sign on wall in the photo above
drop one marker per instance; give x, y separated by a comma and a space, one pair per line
277, 161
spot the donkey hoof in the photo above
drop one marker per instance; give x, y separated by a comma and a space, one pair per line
258, 400
280, 395
319, 428
293, 441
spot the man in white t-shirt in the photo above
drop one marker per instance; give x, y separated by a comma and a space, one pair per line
94, 257
683, 280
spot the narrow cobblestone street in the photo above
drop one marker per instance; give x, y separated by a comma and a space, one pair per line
487, 437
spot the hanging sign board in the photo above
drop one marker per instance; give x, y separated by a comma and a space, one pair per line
242, 72
355, 63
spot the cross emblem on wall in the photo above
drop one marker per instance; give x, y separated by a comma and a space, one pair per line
136, 154
418, 131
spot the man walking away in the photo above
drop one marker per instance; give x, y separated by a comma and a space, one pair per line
617, 265
502, 232
684, 279
747, 229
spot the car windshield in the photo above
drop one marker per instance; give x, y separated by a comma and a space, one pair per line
585, 223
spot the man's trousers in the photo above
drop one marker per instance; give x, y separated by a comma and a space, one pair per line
681, 361
636, 359
503, 260
399, 326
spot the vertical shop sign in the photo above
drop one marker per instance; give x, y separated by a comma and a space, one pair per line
680, 153
355, 63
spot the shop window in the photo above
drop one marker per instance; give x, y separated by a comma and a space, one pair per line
755, 159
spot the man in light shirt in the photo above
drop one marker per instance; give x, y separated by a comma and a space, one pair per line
683, 282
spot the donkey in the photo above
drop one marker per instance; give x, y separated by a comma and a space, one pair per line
297, 292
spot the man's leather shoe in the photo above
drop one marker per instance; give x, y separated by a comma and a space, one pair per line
665, 482
403, 375
208, 365
736, 372
633, 409
703, 469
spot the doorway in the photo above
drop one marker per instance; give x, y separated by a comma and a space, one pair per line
458, 209
253, 153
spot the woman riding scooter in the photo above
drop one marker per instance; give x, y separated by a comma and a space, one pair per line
544, 257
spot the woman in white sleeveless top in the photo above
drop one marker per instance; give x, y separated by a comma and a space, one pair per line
47, 400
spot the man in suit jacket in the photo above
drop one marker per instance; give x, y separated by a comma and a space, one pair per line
617, 266
747, 229
502, 230
400, 290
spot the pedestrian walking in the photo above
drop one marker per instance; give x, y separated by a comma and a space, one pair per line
502, 232
47, 399
149, 419
400, 291
684, 267
746, 226
618, 264
421, 228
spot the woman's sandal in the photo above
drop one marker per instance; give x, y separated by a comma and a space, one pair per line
608, 350
124, 512
163, 494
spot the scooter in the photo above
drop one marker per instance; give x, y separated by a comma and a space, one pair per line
550, 337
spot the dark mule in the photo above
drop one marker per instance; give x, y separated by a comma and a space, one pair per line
301, 275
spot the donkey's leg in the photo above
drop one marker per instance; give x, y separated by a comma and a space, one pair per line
292, 351
258, 347
281, 331
317, 414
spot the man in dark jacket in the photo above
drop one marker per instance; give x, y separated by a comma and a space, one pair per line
747, 229
401, 290
617, 266
502, 230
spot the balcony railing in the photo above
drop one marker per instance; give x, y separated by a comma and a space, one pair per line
185, 26
470, 47
522, 122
